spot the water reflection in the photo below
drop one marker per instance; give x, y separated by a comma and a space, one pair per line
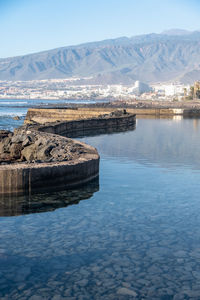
99, 131
165, 143
43, 202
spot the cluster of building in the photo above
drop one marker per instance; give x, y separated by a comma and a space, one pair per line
73, 88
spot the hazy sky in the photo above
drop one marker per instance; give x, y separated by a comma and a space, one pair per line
34, 25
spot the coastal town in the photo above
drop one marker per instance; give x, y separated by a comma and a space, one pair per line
75, 88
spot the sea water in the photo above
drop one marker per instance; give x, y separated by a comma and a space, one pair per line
135, 236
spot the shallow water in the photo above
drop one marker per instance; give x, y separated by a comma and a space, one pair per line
136, 238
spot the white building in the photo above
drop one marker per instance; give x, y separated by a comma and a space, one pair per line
140, 88
171, 90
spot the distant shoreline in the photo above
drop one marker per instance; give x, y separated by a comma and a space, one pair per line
60, 99
191, 104
138, 104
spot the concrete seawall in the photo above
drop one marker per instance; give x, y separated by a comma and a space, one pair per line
156, 111
50, 115
69, 128
45, 115
24, 178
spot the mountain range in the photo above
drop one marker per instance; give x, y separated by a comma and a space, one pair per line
173, 55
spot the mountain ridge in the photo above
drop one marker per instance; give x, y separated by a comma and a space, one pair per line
149, 57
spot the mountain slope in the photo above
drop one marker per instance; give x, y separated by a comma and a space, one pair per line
150, 58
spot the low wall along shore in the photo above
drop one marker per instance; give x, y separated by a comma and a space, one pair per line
37, 157
24, 178
94, 125
45, 115
42, 115
32, 160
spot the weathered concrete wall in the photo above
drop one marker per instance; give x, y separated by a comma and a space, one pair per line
90, 125
42, 116
23, 178
155, 111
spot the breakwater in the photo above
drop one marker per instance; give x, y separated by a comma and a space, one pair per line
46, 115
108, 124
32, 160
52, 115
37, 156
73, 112
22, 178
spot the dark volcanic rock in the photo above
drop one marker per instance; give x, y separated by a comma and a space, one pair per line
118, 113
15, 150
29, 153
33, 146
4, 134
17, 118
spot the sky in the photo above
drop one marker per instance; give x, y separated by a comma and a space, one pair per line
29, 26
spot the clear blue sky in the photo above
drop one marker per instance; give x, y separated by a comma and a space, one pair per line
29, 26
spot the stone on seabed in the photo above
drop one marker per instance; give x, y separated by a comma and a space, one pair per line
126, 291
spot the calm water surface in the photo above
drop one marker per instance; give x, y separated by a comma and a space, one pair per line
135, 236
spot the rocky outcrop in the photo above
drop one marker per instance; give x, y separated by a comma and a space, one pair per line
33, 146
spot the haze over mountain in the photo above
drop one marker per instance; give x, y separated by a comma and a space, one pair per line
171, 55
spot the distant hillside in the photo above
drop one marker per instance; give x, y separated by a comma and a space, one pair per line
172, 55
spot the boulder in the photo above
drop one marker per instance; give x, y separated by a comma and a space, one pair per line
17, 118
30, 146
15, 150
28, 141
4, 134
29, 153
44, 152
